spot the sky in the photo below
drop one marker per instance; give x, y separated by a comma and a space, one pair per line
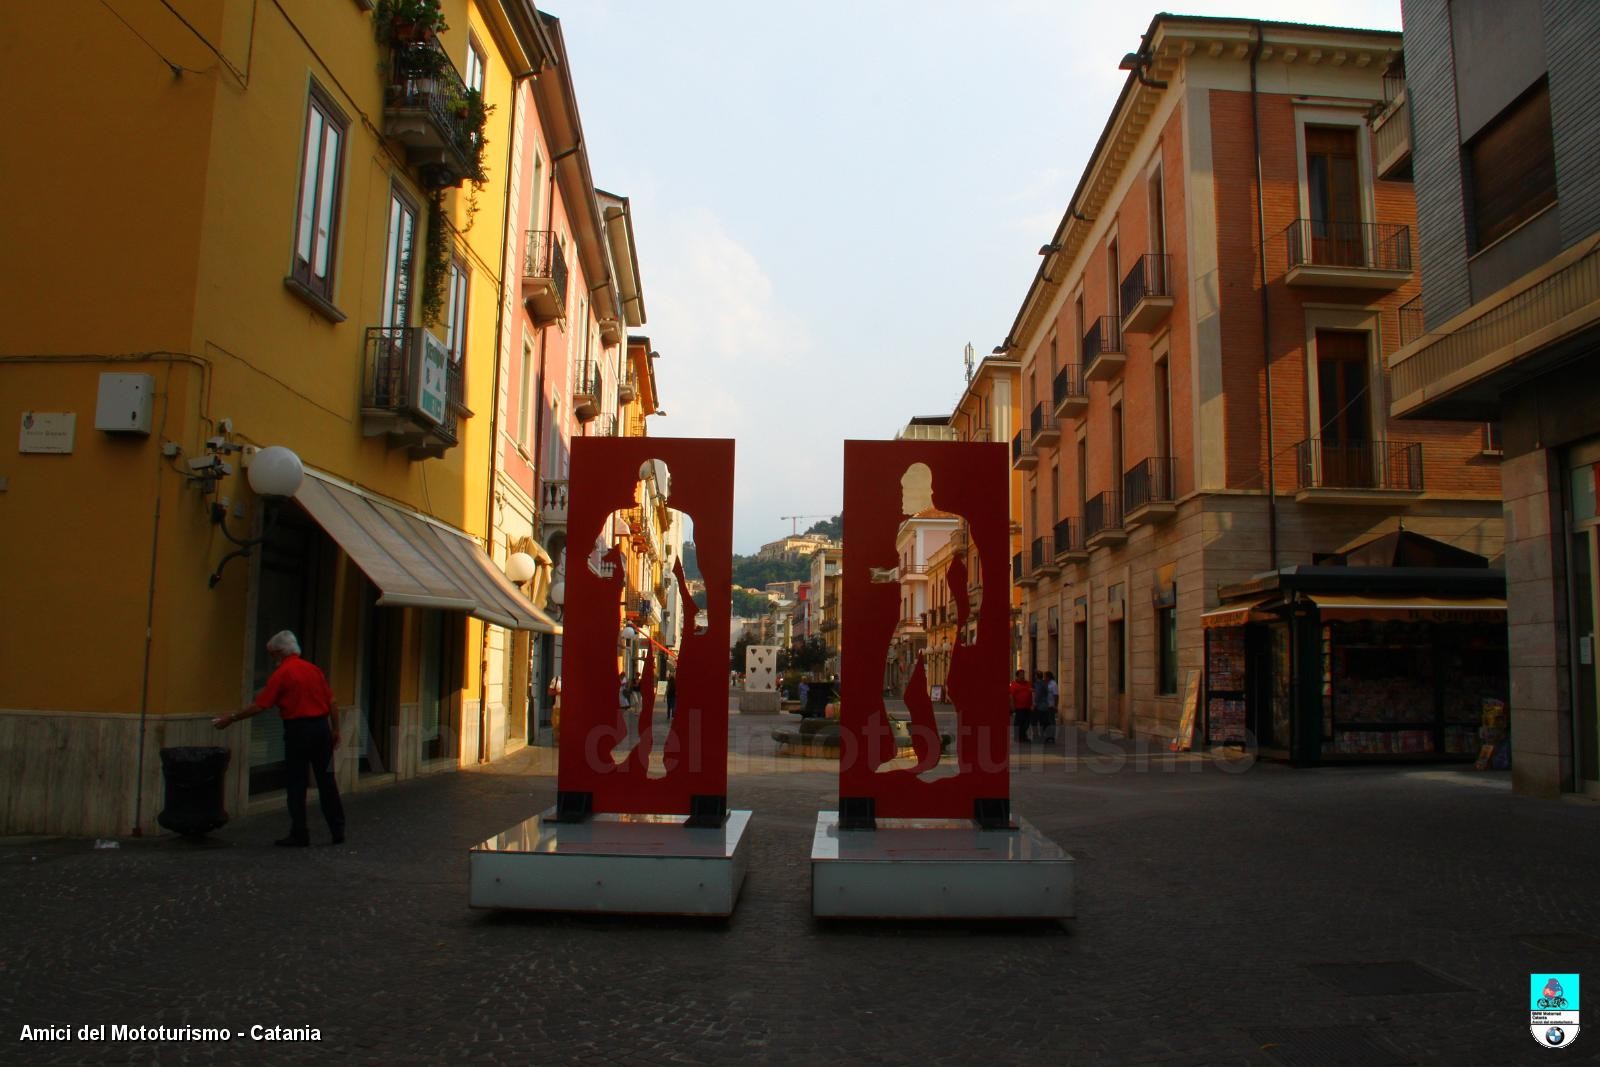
830, 201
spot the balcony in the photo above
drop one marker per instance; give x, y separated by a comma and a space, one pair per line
1042, 427
553, 503
610, 331
1358, 472
1071, 395
1146, 294
1348, 255
412, 390
1148, 491
1461, 367
544, 278
1043, 557
628, 391
1102, 350
1411, 326
1023, 457
586, 392
1069, 542
1391, 126
1102, 521
426, 108
1016, 568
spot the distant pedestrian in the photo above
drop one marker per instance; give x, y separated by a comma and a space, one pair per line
1048, 722
300, 692
625, 694
672, 694
1041, 704
1021, 705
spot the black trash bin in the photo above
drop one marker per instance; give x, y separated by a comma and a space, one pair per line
194, 776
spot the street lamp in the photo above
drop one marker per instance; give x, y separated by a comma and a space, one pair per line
274, 472
519, 567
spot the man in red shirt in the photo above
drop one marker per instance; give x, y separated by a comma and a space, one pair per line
1021, 705
300, 692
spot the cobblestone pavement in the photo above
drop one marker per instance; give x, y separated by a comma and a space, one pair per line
1206, 897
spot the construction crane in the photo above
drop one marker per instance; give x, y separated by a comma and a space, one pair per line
794, 522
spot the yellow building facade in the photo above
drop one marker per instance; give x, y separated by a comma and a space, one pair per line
241, 235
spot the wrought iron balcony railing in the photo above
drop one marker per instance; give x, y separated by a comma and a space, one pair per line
544, 277
427, 108
1104, 338
1068, 538
1016, 567
412, 390
1102, 514
1381, 465
1039, 552
1411, 326
1147, 278
1382, 246
1149, 481
1069, 388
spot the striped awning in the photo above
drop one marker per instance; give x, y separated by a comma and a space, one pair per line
417, 561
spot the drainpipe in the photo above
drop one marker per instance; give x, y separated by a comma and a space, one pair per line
1266, 313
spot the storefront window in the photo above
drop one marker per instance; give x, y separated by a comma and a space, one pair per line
1278, 649
1167, 648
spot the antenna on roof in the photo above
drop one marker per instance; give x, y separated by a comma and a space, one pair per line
968, 355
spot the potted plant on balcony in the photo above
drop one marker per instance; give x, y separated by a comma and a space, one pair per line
398, 22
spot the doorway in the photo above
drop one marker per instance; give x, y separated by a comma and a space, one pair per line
381, 655
1584, 586
1080, 670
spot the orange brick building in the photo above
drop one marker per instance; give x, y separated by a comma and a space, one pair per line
1183, 427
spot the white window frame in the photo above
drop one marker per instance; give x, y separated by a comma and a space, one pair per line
401, 245
1355, 120
316, 229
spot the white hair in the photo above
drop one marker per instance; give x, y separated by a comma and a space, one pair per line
284, 642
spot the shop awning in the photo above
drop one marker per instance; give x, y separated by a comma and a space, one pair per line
416, 561
1237, 614
1336, 607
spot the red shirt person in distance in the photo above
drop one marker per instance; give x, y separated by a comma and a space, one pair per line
300, 692
1021, 705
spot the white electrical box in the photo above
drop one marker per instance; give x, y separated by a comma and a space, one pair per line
125, 403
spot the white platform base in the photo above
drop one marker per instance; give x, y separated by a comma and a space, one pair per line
938, 869
625, 864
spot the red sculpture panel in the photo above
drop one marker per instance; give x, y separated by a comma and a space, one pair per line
605, 473
886, 482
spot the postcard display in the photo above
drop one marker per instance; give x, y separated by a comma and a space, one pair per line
633, 831
1405, 688
932, 834
1225, 685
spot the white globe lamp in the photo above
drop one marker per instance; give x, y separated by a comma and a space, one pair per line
519, 567
276, 471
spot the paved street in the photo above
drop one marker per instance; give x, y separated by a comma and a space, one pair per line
1208, 900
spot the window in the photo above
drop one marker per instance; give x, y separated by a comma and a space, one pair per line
1083, 474
1113, 283
1158, 214
455, 336
316, 228
1167, 647
1333, 195
1055, 494
1511, 167
525, 393
1116, 446
398, 261
1163, 411
475, 64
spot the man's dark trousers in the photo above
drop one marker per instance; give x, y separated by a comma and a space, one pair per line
308, 747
